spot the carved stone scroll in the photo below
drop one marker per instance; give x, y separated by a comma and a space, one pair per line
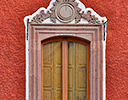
90, 18
41, 17
65, 11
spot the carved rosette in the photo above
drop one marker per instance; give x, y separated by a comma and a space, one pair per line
65, 11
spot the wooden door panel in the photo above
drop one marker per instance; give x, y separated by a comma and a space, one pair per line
71, 71
77, 71
81, 95
52, 71
47, 94
47, 77
81, 72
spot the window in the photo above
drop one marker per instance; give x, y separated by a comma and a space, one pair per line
56, 34
65, 69
65, 52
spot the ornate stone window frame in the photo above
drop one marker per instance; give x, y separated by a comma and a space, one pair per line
83, 23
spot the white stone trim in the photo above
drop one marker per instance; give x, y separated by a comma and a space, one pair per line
104, 70
27, 66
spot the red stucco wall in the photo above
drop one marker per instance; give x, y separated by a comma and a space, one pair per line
12, 45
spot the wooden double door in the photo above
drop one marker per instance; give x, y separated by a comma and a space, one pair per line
65, 69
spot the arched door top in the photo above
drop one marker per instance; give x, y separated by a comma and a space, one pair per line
70, 38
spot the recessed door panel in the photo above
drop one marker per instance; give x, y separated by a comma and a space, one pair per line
77, 71
52, 71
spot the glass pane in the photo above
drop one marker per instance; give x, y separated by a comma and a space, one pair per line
77, 71
52, 71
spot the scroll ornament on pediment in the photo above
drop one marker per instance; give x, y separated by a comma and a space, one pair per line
65, 11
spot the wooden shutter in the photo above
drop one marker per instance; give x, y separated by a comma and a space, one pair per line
77, 71
52, 71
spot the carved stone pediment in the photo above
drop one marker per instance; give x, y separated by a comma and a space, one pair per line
66, 11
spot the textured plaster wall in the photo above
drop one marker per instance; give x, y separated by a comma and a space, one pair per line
12, 45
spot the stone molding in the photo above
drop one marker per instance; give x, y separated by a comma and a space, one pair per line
93, 34
57, 13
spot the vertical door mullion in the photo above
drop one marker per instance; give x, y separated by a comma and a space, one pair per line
88, 57
64, 69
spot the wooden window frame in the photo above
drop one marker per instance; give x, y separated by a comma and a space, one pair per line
64, 40
87, 32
